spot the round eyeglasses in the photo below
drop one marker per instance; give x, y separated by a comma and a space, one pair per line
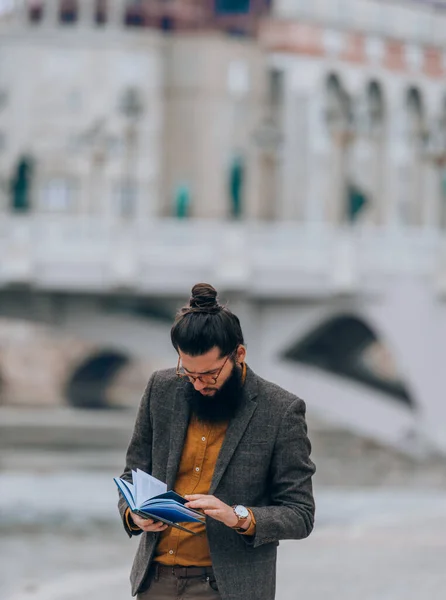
205, 377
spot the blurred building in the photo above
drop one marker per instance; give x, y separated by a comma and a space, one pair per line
117, 109
365, 104
293, 155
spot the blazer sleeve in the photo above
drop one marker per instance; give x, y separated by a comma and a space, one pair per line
139, 452
291, 513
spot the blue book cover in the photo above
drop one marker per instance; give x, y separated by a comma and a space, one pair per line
148, 497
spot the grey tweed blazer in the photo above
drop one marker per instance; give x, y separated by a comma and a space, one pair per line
264, 464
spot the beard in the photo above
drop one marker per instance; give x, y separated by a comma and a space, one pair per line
220, 406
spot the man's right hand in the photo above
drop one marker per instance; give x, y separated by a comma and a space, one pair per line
148, 524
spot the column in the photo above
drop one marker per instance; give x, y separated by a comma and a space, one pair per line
393, 188
379, 160
51, 12
115, 13
320, 190
432, 195
296, 148
86, 15
20, 16
287, 177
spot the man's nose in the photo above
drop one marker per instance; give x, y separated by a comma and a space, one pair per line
199, 385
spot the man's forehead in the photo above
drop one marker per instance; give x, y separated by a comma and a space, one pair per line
202, 363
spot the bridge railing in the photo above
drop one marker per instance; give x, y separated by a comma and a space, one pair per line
167, 255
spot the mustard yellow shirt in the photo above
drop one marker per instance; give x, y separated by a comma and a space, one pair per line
200, 452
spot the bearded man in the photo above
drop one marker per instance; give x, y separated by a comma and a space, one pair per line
236, 447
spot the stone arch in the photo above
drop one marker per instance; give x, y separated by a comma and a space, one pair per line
338, 104
368, 155
338, 121
87, 386
347, 346
415, 114
376, 108
411, 205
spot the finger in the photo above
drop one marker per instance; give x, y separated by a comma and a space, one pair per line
202, 505
215, 514
155, 527
204, 501
197, 496
142, 522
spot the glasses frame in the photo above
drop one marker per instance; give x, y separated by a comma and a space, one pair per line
193, 378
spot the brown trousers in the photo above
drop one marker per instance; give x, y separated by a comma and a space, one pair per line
167, 586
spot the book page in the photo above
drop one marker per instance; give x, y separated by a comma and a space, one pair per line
126, 490
147, 487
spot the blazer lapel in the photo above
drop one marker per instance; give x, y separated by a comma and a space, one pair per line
178, 429
236, 429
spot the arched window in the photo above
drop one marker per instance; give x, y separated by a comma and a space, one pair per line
135, 14
375, 107
339, 123
35, 10
338, 106
415, 116
68, 11
366, 185
412, 176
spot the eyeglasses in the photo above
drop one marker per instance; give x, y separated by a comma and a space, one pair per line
205, 378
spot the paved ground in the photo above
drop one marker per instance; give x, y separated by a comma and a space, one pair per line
367, 545
381, 535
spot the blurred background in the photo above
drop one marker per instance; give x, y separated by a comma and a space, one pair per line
293, 154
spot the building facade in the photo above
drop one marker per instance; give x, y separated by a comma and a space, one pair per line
126, 121
363, 110
301, 173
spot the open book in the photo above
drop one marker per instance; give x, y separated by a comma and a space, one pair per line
148, 497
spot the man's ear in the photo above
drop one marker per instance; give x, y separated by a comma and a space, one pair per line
241, 354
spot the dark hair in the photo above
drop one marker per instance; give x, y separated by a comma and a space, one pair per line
204, 324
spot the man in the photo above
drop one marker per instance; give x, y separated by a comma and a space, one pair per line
236, 447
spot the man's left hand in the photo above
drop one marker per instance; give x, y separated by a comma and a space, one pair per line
215, 508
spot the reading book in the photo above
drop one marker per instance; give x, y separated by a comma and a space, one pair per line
148, 497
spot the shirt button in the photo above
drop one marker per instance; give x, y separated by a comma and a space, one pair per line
203, 439
197, 469
170, 551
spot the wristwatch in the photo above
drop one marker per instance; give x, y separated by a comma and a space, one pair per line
242, 513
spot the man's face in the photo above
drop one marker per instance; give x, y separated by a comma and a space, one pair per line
209, 366
211, 400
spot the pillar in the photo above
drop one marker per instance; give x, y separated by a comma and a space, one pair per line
115, 13
86, 13
394, 147
51, 11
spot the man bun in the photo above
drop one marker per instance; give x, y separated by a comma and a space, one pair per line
204, 324
204, 297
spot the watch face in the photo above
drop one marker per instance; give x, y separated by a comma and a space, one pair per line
241, 511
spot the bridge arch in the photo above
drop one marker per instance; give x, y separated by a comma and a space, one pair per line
348, 346
88, 384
